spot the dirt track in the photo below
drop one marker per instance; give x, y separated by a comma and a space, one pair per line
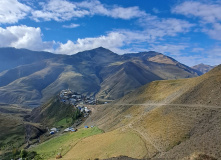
180, 105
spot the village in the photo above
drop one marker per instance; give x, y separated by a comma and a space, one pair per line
67, 96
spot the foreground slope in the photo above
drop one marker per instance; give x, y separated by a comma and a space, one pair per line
171, 119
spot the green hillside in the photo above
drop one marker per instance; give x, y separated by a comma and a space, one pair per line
63, 143
55, 113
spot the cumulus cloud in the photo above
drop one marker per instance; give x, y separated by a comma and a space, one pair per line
11, 11
72, 25
23, 37
130, 39
111, 41
63, 10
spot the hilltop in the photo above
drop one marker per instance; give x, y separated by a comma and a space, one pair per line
32, 78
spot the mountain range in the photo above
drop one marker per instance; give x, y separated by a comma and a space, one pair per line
31, 78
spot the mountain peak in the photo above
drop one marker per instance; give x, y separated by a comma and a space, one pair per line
99, 55
203, 67
100, 48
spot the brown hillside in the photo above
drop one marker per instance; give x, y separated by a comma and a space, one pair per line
175, 119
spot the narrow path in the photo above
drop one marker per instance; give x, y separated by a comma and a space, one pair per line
146, 137
152, 106
168, 104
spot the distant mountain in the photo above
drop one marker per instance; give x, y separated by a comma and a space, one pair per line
203, 68
12, 57
31, 78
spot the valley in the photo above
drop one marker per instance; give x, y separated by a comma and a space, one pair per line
143, 106
110, 80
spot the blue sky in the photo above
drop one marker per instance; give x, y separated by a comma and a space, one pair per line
189, 31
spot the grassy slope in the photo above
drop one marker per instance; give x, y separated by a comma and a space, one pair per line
107, 145
64, 143
169, 131
12, 131
55, 113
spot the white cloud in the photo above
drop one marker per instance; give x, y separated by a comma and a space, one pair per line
23, 37
131, 40
156, 27
63, 10
209, 15
11, 11
209, 12
215, 51
58, 10
111, 41
114, 41
126, 13
214, 32
172, 49
72, 25
96, 7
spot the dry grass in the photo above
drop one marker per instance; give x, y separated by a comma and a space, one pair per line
111, 144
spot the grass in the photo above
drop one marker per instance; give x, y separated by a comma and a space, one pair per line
107, 145
64, 122
12, 133
64, 143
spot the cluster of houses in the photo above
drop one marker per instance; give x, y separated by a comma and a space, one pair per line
53, 130
78, 101
74, 98
69, 129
